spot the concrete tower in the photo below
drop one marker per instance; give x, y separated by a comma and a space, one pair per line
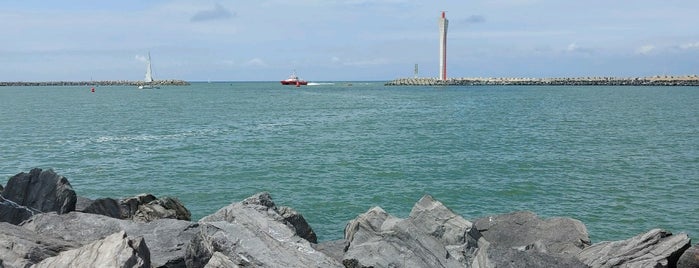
443, 24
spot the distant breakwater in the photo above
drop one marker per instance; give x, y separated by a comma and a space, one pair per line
692, 80
98, 83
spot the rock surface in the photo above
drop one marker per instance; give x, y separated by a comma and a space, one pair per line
249, 210
141, 208
218, 260
166, 238
507, 257
524, 230
377, 239
656, 248
13, 213
20, 247
40, 190
690, 258
254, 233
116, 250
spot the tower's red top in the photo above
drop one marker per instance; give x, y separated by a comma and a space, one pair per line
443, 16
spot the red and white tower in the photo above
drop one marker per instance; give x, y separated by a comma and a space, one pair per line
443, 24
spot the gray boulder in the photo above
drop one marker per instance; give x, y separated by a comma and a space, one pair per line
254, 232
43, 191
525, 231
501, 257
334, 249
218, 260
432, 236
20, 247
260, 243
13, 213
690, 258
82, 202
115, 250
248, 211
656, 248
167, 238
162, 208
103, 206
141, 208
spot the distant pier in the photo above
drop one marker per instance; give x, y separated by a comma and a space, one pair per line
99, 83
690, 80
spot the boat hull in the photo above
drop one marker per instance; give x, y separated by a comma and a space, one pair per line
293, 83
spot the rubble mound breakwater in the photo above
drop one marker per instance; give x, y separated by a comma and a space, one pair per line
690, 80
171, 82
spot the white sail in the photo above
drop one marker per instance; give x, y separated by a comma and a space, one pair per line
149, 70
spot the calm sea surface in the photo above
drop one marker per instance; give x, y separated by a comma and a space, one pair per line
621, 159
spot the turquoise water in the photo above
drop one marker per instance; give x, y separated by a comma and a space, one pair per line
621, 159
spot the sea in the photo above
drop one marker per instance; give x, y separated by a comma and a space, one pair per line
623, 160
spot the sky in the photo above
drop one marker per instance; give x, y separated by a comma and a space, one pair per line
344, 40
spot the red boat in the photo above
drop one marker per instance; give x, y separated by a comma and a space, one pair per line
294, 81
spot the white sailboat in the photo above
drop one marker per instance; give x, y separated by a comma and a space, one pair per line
149, 76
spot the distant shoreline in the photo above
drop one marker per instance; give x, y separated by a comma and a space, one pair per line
98, 83
689, 80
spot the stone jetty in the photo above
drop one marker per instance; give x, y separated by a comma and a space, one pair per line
98, 83
688, 80
44, 223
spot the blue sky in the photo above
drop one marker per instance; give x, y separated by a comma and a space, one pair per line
330, 40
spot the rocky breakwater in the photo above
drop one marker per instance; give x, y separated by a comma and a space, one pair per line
171, 82
43, 223
689, 80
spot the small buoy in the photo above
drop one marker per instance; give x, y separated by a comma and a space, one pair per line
93, 89
298, 84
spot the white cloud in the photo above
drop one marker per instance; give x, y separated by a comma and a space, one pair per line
256, 62
217, 13
140, 58
694, 45
645, 50
574, 48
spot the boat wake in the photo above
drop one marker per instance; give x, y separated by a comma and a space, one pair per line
320, 84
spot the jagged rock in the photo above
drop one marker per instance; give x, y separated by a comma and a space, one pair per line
261, 203
13, 213
253, 232
167, 238
656, 248
334, 249
104, 206
690, 258
130, 205
432, 236
116, 250
44, 191
524, 230
142, 208
218, 260
163, 208
512, 258
299, 222
82, 203
20, 247
248, 244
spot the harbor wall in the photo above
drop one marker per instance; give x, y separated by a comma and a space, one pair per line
98, 83
691, 80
